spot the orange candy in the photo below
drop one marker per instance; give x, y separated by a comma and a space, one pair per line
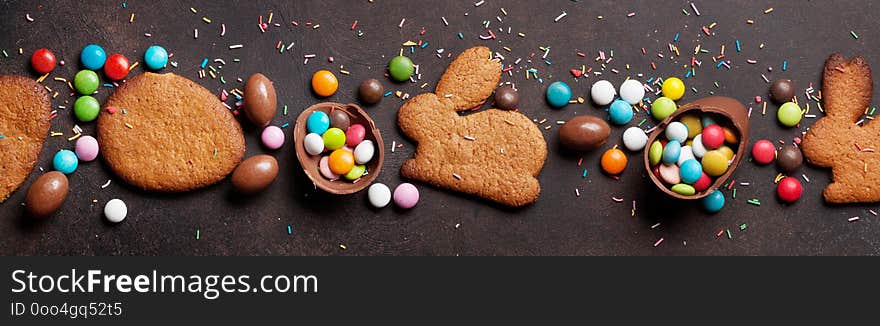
324, 83
341, 161
730, 136
613, 161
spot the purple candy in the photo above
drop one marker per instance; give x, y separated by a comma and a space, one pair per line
86, 148
272, 137
406, 196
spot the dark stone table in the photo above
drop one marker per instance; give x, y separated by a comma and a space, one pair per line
443, 223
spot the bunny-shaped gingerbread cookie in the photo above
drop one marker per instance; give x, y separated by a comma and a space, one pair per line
836, 141
493, 154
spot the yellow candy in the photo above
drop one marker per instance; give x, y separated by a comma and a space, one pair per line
728, 153
673, 88
695, 126
714, 163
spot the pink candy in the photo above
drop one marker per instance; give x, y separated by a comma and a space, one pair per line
272, 137
354, 135
406, 195
86, 148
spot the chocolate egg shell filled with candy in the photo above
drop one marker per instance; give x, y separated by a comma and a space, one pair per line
584, 133
723, 108
311, 163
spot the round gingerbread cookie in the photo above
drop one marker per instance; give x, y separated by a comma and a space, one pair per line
163, 132
24, 122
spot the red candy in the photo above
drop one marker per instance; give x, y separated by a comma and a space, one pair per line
116, 67
354, 135
43, 61
789, 189
703, 182
712, 136
763, 151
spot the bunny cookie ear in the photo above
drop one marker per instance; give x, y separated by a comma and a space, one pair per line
846, 87
470, 79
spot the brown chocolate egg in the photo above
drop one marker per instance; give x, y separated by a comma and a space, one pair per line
506, 98
255, 174
46, 194
371, 91
339, 119
584, 133
789, 158
260, 102
782, 90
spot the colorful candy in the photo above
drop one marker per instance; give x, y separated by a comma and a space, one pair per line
671, 152
670, 174
313, 144
86, 108
324, 168
620, 112
655, 153
632, 91
86, 82
673, 88
613, 161
763, 151
43, 61
334, 139
93, 57
86, 148
789, 189
677, 131
339, 119
602, 92
690, 171
116, 67
789, 114
341, 161
115, 210
324, 83
558, 94
379, 195
692, 122
272, 137
684, 189
355, 134
703, 182
156, 57
318, 122
662, 108
65, 161
789, 158
712, 136
364, 152
400, 68
634, 138
714, 163
697, 147
406, 196
714, 202
356, 172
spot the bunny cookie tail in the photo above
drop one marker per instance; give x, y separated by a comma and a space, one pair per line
470, 79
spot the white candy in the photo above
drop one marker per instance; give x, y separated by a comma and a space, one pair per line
602, 92
698, 148
364, 151
313, 144
634, 138
687, 153
632, 91
677, 131
115, 210
379, 195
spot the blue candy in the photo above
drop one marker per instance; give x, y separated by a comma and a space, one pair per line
714, 201
318, 122
558, 94
156, 57
620, 112
65, 161
671, 152
690, 171
93, 57
707, 120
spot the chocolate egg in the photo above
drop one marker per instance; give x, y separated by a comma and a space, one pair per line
782, 90
789, 158
584, 133
339, 119
255, 174
371, 91
506, 98
260, 101
46, 194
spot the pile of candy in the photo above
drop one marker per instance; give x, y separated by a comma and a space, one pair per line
692, 151
333, 133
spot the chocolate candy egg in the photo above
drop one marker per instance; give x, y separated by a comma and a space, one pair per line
782, 90
260, 101
46, 194
313, 144
364, 151
506, 98
255, 174
371, 91
339, 119
789, 158
584, 133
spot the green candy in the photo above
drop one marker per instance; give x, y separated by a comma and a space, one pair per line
356, 172
655, 153
400, 68
86, 108
684, 189
86, 82
662, 108
789, 114
334, 138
